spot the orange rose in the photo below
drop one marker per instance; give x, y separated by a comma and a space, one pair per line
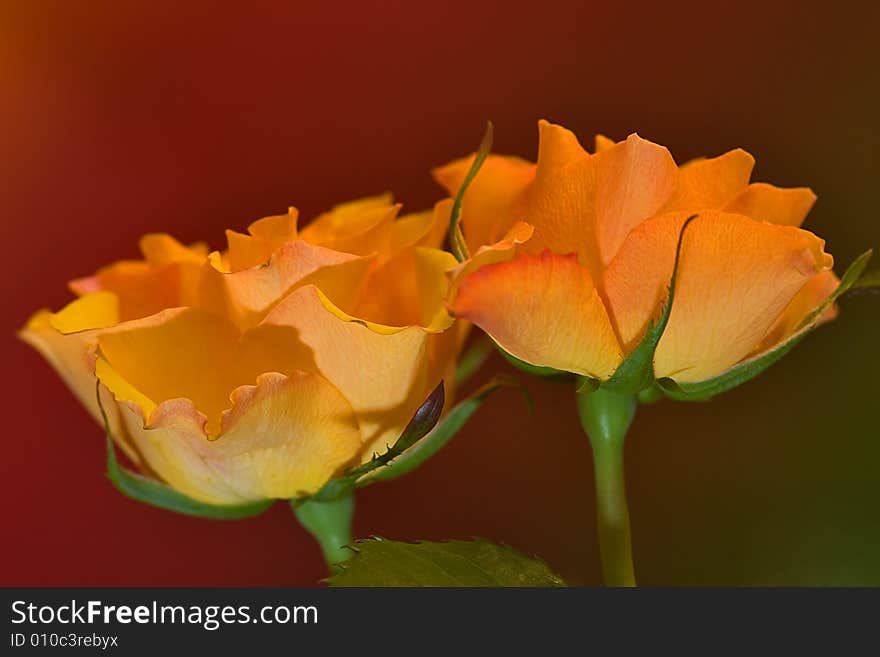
573, 257
261, 371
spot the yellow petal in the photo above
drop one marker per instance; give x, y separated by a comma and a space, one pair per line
141, 289
360, 227
495, 199
284, 437
634, 179
500, 251
439, 228
244, 251
736, 276
408, 290
808, 299
557, 147
603, 143
180, 353
264, 237
711, 183
170, 276
250, 293
190, 354
544, 310
562, 202
276, 229
776, 205
587, 204
93, 311
72, 358
420, 228
382, 371
160, 249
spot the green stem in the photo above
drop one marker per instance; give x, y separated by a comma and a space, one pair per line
330, 524
605, 417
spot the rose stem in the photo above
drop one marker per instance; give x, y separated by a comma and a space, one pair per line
330, 524
605, 417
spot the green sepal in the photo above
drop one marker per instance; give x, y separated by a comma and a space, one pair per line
456, 238
536, 370
586, 385
636, 372
752, 367
419, 426
867, 281
650, 395
478, 563
445, 430
473, 359
155, 493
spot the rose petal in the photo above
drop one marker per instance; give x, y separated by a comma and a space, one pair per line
169, 277
381, 370
284, 437
250, 293
776, 205
500, 251
588, 204
562, 202
263, 238
495, 199
187, 353
711, 183
808, 299
359, 227
736, 276
603, 143
634, 179
544, 310
408, 290
72, 358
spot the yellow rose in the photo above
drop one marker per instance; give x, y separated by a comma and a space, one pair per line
572, 257
261, 371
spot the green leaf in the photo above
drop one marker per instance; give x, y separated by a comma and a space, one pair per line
536, 370
445, 430
380, 562
473, 359
419, 426
749, 369
157, 494
636, 372
651, 395
587, 384
456, 238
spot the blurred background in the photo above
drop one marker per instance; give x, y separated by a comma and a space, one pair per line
121, 118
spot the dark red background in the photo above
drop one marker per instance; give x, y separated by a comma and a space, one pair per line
120, 118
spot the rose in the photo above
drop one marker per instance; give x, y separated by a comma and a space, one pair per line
573, 257
262, 371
